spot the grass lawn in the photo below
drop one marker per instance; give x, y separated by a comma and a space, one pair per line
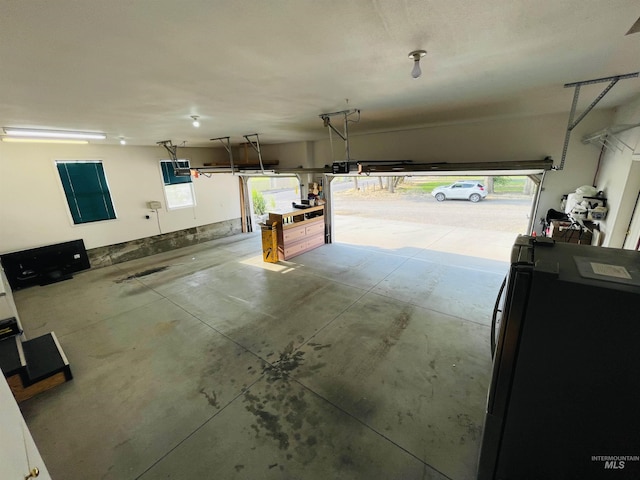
512, 184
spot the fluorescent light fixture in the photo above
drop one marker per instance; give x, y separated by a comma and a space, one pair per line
20, 132
44, 140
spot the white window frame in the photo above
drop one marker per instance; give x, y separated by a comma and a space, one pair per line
170, 190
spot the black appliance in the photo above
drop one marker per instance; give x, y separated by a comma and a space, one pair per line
44, 265
340, 167
564, 400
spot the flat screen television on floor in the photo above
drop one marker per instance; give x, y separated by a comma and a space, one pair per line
45, 265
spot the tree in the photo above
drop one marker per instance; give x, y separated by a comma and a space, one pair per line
259, 205
393, 182
488, 183
500, 182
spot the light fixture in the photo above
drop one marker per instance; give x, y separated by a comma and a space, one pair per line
196, 122
44, 140
416, 55
61, 134
122, 141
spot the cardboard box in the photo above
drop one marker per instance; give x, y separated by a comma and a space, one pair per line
571, 233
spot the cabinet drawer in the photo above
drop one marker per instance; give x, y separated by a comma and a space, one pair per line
293, 234
293, 250
315, 228
316, 241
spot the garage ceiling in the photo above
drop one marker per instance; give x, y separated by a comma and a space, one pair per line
140, 68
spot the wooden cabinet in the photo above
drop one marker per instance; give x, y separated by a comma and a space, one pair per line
298, 231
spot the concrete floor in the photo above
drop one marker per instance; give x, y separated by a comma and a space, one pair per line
350, 362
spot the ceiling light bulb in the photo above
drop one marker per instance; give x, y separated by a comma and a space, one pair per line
196, 123
123, 141
416, 72
416, 55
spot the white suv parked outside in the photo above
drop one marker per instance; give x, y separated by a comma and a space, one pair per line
462, 190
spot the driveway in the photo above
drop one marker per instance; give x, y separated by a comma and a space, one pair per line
485, 229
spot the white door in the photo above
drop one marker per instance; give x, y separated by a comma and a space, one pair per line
18, 452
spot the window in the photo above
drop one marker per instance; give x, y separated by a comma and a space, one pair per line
86, 189
178, 190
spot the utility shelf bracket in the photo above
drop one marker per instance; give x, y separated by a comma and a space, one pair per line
326, 118
576, 93
226, 143
178, 171
256, 147
171, 148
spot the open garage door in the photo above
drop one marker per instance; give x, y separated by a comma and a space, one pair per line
271, 193
467, 213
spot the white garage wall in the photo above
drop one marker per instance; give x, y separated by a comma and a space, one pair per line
34, 211
528, 138
523, 138
289, 155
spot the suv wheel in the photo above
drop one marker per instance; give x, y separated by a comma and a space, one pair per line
440, 197
474, 197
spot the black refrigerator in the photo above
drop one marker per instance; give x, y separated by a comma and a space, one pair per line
564, 399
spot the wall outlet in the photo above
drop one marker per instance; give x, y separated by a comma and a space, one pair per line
153, 205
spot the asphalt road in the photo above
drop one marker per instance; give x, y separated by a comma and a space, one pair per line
506, 213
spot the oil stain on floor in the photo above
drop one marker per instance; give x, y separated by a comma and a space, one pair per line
143, 273
282, 412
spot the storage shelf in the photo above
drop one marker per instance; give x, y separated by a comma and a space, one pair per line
298, 216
